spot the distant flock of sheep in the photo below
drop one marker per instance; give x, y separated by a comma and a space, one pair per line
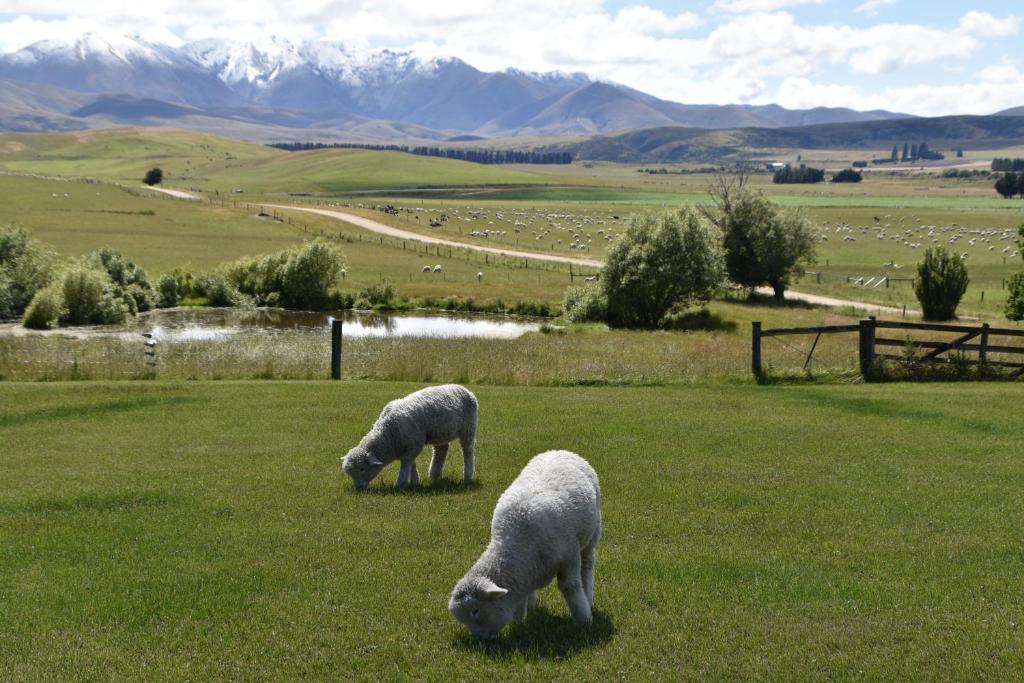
926, 235
546, 524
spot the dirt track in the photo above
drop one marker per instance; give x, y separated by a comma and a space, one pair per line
382, 229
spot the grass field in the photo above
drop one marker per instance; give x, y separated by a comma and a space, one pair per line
203, 531
162, 234
221, 165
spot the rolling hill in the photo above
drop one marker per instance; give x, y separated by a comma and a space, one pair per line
223, 165
676, 144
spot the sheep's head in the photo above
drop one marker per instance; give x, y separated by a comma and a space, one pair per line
362, 466
482, 605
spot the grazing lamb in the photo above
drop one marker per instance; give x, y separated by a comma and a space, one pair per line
546, 524
435, 416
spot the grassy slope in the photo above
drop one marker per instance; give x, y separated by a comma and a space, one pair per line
219, 164
758, 534
122, 154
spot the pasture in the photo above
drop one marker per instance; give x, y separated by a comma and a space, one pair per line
204, 531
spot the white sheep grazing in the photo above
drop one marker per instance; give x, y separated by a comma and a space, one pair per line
426, 269
479, 277
437, 268
435, 416
546, 524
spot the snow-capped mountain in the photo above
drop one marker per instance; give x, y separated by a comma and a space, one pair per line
322, 79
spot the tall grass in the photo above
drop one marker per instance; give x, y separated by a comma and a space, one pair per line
579, 356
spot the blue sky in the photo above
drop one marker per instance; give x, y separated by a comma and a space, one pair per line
926, 58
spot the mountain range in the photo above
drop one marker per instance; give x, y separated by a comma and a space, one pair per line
326, 90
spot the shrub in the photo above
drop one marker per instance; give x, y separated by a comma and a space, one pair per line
376, 295
154, 176
46, 308
141, 297
940, 284
661, 262
847, 175
25, 268
585, 304
91, 298
308, 274
297, 278
220, 291
6, 297
121, 270
168, 293
1015, 299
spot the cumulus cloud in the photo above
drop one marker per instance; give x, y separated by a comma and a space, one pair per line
872, 7
984, 24
745, 6
994, 88
744, 51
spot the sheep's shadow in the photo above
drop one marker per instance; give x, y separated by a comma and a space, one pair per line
442, 486
543, 636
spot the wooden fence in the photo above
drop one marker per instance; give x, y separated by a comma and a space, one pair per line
969, 340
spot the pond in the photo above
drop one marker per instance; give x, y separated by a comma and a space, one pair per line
201, 324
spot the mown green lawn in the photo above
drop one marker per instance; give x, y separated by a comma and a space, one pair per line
173, 531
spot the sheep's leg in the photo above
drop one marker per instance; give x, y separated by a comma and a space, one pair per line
414, 475
521, 611
468, 442
403, 475
437, 461
571, 587
587, 557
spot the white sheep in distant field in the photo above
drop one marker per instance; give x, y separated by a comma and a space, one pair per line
435, 416
479, 277
592, 278
437, 268
546, 525
426, 269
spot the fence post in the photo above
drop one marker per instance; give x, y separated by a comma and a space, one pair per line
335, 348
983, 347
867, 347
755, 348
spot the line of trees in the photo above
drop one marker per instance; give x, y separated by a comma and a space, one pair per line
477, 156
1008, 165
916, 152
801, 174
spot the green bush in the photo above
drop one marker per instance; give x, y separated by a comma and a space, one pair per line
308, 275
673, 260
25, 268
46, 308
91, 298
168, 293
1015, 300
297, 278
585, 304
220, 291
941, 283
6, 297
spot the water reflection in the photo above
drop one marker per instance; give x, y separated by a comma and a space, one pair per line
217, 324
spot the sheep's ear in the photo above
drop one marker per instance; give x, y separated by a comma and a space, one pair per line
492, 590
373, 460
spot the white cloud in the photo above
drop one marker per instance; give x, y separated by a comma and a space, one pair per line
747, 6
984, 24
750, 51
871, 7
643, 19
996, 87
